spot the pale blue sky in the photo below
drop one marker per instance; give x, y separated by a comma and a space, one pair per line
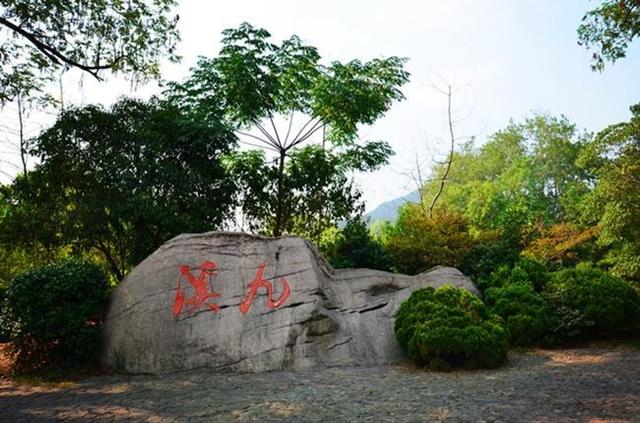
514, 57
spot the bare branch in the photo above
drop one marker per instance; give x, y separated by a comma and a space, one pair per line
23, 149
275, 130
419, 182
289, 130
308, 134
262, 140
434, 86
448, 168
300, 131
13, 165
268, 147
267, 134
446, 162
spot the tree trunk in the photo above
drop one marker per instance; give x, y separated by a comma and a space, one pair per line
280, 196
23, 149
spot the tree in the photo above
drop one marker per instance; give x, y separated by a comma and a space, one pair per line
449, 161
353, 247
562, 244
40, 39
523, 178
613, 161
524, 173
609, 29
320, 192
254, 84
121, 182
417, 242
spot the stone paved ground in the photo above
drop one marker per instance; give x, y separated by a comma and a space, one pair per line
579, 385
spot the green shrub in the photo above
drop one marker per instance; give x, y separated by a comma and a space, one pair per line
525, 271
55, 312
493, 248
597, 301
524, 311
536, 272
449, 327
417, 242
354, 247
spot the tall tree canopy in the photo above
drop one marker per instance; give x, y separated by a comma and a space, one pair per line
319, 191
254, 83
525, 172
120, 182
513, 189
613, 160
39, 38
608, 30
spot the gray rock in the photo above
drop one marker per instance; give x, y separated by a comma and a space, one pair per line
189, 305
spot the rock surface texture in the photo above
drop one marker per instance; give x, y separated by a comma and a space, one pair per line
236, 302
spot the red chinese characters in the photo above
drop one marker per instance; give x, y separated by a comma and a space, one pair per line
260, 282
200, 286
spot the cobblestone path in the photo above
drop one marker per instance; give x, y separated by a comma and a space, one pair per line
578, 385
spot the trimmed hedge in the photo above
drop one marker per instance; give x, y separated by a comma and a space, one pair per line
55, 312
601, 303
525, 270
450, 327
524, 311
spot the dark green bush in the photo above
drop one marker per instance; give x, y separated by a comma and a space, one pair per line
54, 312
589, 301
536, 272
524, 311
490, 251
525, 271
354, 247
449, 327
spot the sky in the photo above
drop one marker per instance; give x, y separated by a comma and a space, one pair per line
508, 59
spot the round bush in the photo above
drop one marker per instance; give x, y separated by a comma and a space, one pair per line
607, 303
524, 311
449, 327
55, 311
525, 271
536, 273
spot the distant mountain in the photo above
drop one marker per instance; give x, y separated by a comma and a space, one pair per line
389, 209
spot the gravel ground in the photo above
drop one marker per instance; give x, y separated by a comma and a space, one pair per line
575, 385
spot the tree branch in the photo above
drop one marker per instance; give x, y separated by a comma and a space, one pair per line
419, 182
268, 147
300, 131
23, 149
289, 130
310, 132
275, 130
448, 168
262, 140
54, 54
267, 134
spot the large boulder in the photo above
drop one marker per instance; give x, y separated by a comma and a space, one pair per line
232, 301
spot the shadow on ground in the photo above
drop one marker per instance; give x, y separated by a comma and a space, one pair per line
595, 384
